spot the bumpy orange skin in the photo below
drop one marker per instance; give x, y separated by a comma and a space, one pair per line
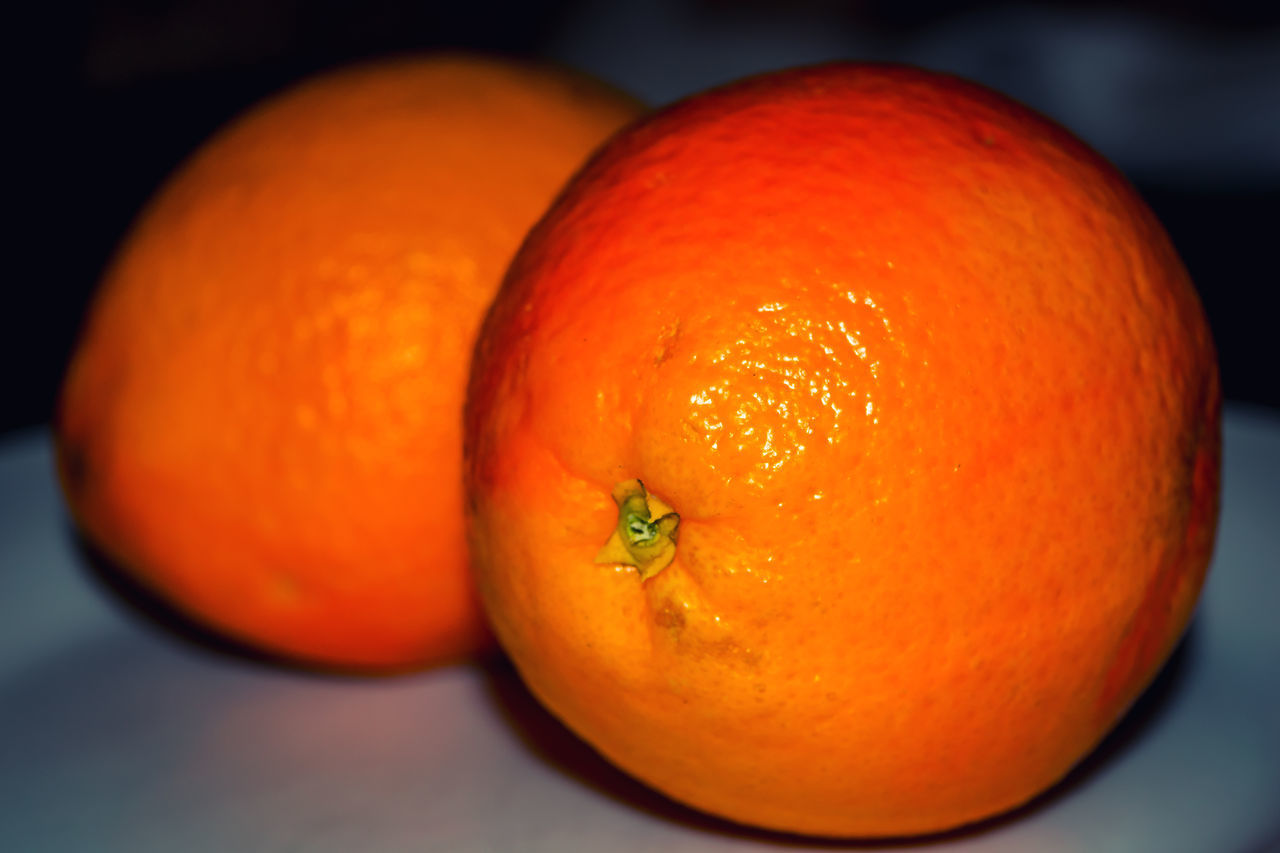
939, 410
262, 421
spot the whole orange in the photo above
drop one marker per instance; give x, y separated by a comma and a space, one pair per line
843, 451
262, 420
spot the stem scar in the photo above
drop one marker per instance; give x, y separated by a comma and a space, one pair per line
639, 539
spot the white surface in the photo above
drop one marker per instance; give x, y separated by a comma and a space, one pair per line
121, 736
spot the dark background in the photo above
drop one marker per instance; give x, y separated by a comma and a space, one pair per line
104, 99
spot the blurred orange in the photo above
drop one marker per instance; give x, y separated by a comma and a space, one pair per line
262, 420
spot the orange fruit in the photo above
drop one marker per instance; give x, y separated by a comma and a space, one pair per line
262, 419
843, 451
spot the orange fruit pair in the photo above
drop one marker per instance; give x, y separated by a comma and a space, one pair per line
262, 420
843, 452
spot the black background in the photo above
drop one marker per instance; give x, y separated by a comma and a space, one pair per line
106, 98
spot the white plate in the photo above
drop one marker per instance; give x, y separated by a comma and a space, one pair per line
121, 735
